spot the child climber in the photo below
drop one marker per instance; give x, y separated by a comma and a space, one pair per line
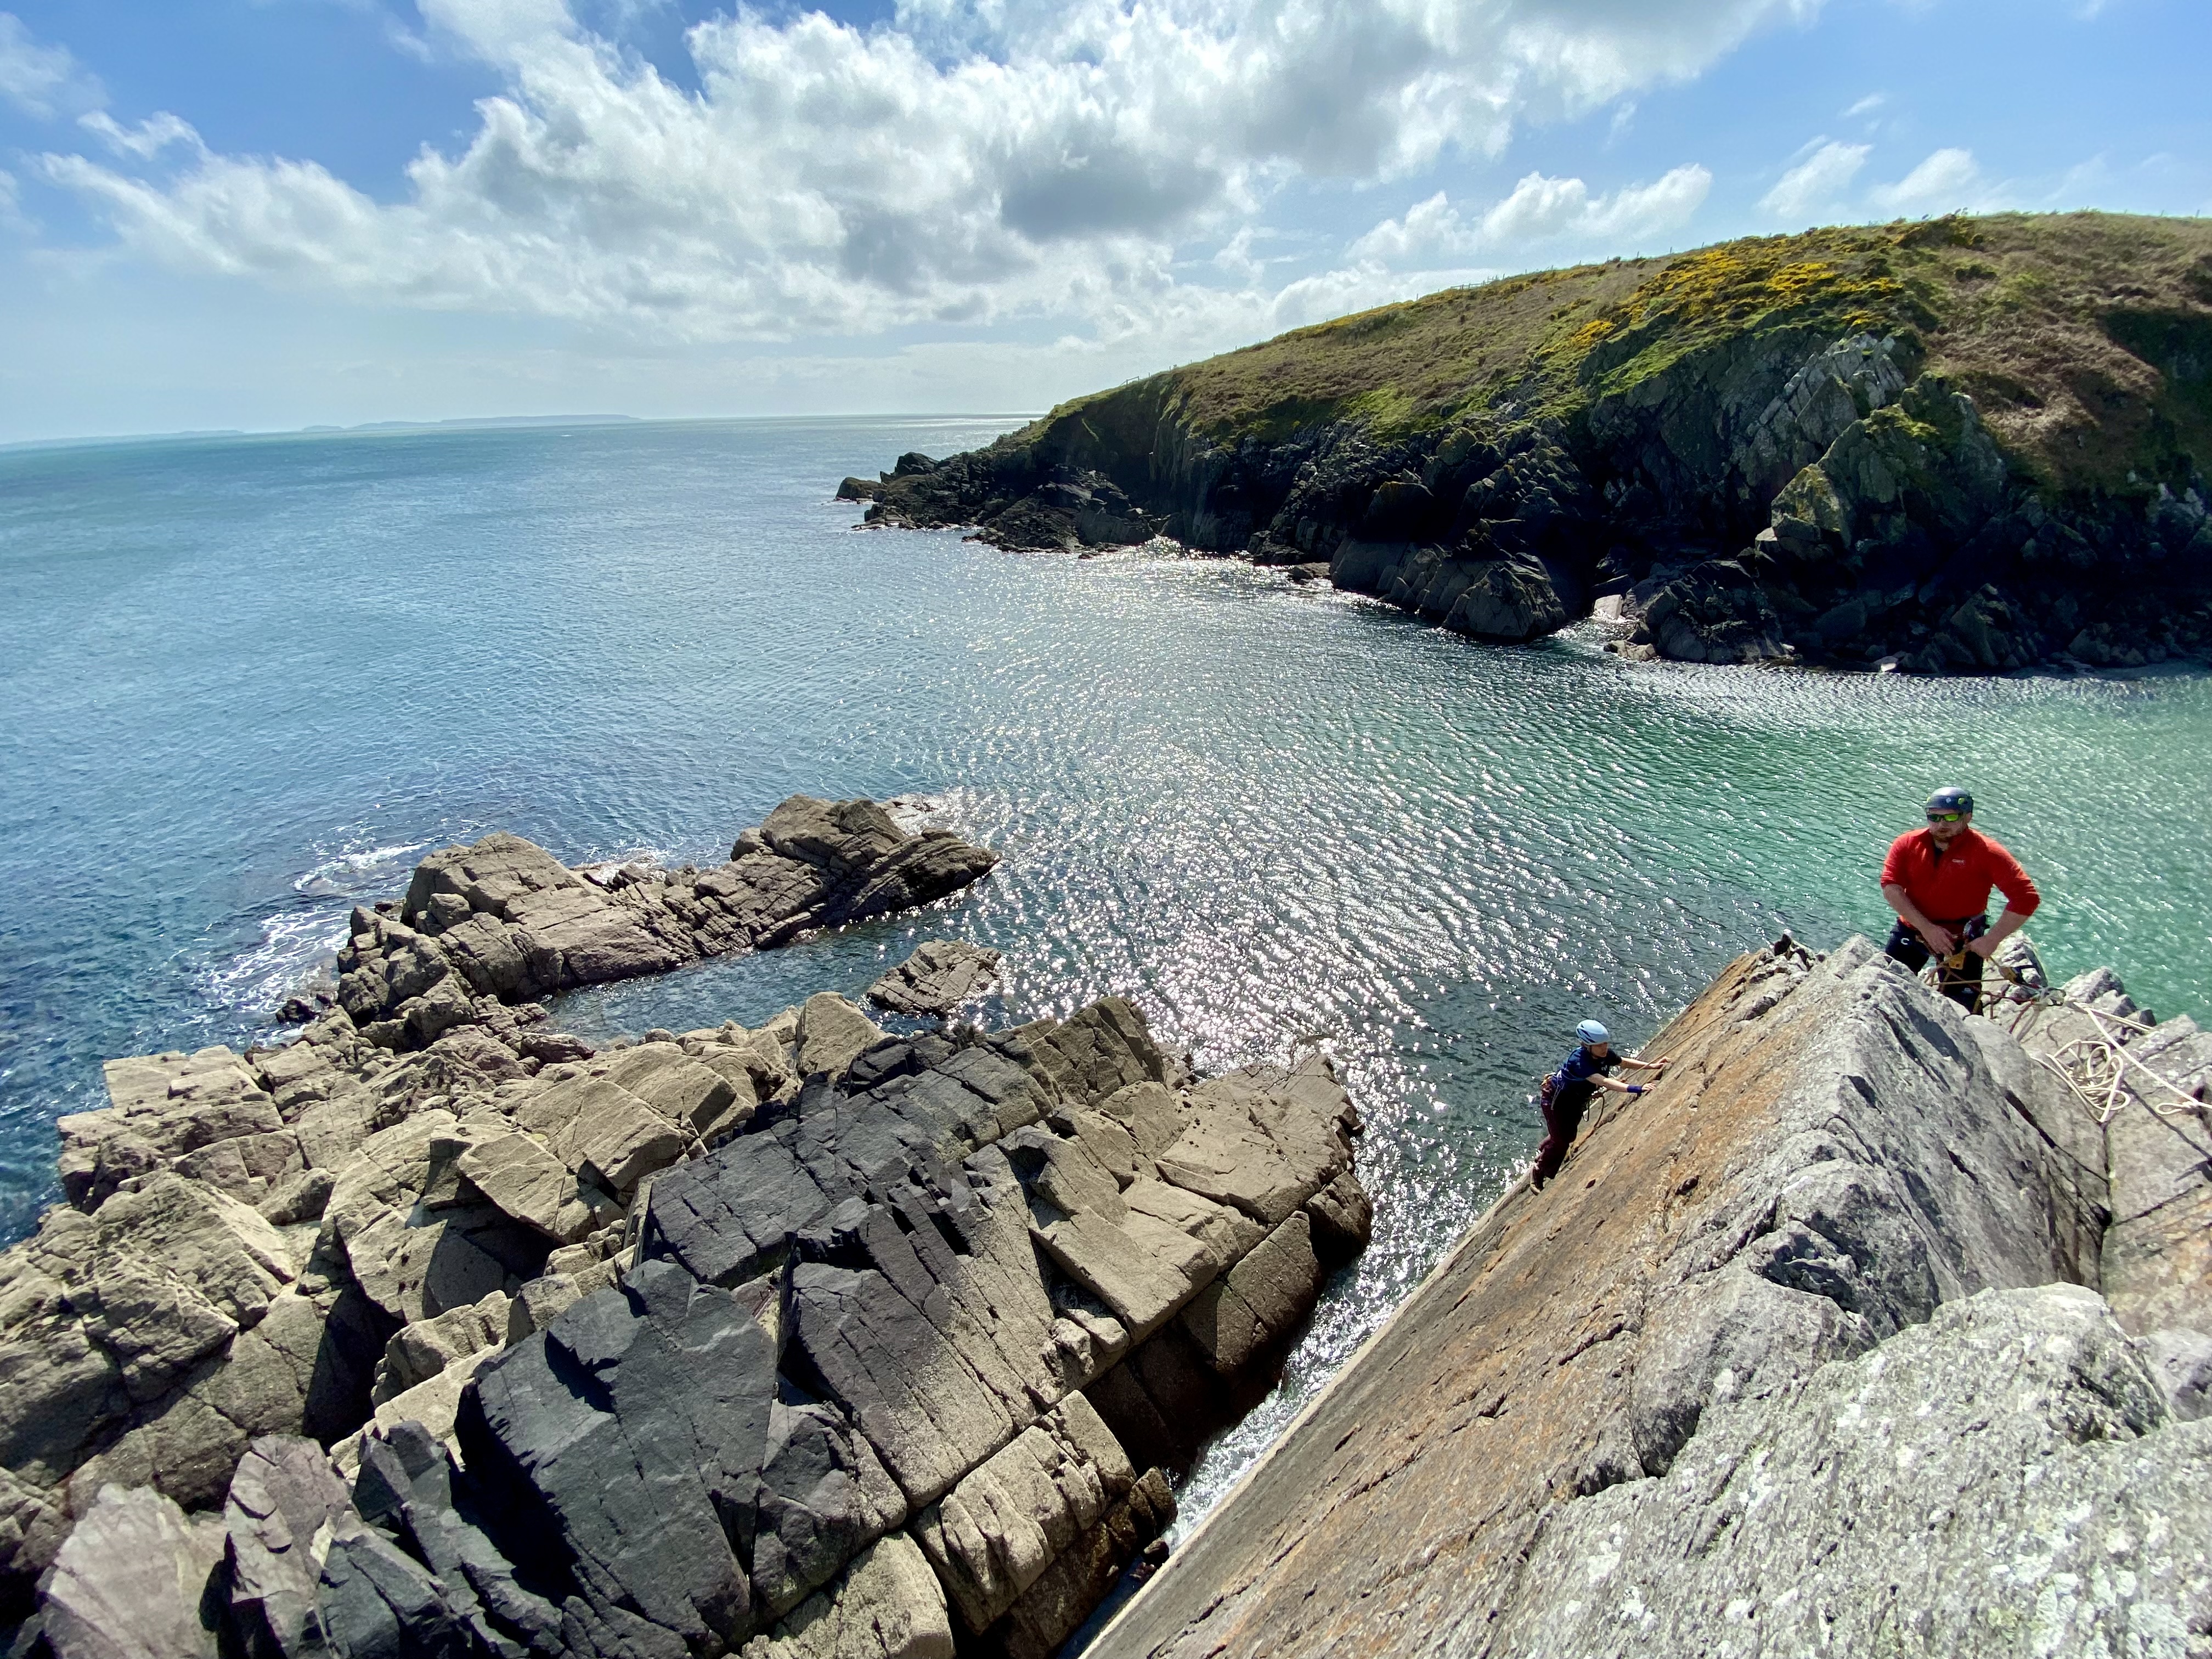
1568, 1090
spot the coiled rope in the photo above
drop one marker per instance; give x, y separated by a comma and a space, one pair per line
2098, 1069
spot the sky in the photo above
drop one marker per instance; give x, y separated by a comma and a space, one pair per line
270, 214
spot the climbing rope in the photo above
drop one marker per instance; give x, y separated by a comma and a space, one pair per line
2097, 1068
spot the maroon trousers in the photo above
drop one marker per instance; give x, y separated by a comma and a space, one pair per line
1563, 1119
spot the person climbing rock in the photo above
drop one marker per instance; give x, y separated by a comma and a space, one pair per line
1567, 1091
1938, 881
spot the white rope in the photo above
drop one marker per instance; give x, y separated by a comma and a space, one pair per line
2089, 1067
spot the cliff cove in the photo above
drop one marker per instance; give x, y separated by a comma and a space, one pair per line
1363, 851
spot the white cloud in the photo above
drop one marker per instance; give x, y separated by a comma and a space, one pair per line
1544, 210
146, 140
1816, 183
1948, 181
1866, 105
972, 159
1539, 211
41, 80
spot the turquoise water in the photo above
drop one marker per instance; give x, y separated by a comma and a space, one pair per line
248, 682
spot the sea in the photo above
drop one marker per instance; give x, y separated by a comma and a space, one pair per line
246, 682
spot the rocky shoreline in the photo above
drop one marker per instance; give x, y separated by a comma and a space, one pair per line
1848, 449
434, 1332
1867, 1330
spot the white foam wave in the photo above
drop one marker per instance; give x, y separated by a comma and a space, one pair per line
296, 949
345, 872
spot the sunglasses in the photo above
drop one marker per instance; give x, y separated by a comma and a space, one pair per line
1945, 817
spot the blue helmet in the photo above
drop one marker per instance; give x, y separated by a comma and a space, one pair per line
1590, 1032
1950, 798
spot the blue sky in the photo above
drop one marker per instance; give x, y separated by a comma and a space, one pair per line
272, 213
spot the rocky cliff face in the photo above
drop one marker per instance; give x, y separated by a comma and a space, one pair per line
435, 1336
1969, 445
1805, 1351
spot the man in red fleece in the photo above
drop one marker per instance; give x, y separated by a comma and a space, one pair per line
1938, 881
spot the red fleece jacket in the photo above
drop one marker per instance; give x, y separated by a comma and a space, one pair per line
1957, 886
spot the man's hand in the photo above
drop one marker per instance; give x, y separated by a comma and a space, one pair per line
1985, 947
1938, 939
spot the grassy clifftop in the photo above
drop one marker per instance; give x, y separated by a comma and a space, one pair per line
1960, 444
2085, 339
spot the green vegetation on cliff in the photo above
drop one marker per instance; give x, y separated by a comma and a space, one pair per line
1955, 445
2085, 339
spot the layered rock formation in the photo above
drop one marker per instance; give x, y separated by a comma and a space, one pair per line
940, 976
808, 1339
1803, 1352
486, 930
1968, 446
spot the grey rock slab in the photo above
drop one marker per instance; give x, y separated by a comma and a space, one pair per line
1059, 1172
1259, 1301
691, 1096
105, 1318
728, 1215
419, 1351
1106, 1139
375, 1598
131, 1581
603, 1132
1050, 1610
995, 1534
409, 1485
831, 1034
187, 1443
539, 1303
824, 1495
416, 1273
1151, 1113
284, 1493
940, 1353
517, 1173
1724, 1337
1222, 1234
887, 1605
1224, 1157
2054, 1507
628, 1436
1343, 1217
1092, 1053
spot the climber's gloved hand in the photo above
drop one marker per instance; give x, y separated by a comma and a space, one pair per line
1636, 1088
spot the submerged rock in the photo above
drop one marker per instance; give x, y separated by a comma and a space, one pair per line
940, 976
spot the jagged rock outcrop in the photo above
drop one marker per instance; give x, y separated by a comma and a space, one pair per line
749, 1337
2055, 1505
1811, 449
1804, 1349
503, 923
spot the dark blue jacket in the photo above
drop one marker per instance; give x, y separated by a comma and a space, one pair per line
1570, 1083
